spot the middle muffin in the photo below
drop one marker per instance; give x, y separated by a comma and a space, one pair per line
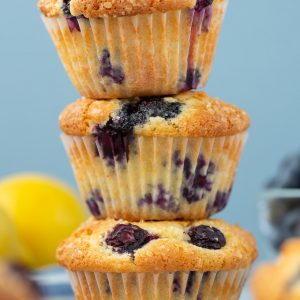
155, 158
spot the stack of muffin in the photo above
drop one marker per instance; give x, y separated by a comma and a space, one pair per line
153, 159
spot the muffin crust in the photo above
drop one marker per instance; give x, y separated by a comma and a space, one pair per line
86, 250
114, 8
50, 8
201, 116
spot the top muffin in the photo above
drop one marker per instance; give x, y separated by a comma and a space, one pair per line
120, 49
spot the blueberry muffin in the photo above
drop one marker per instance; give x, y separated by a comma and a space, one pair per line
110, 259
155, 158
279, 280
15, 284
113, 48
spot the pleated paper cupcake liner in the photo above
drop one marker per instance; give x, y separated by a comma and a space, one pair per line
132, 56
154, 178
222, 285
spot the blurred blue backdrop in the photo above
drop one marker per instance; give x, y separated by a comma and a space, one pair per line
256, 67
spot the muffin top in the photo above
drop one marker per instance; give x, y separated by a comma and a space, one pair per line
119, 246
190, 114
101, 8
279, 280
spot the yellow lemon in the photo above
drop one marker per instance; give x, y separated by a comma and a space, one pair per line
44, 212
10, 248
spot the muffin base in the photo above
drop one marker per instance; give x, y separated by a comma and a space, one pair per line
222, 285
160, 178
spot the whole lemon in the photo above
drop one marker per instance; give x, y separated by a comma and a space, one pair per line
10, 248
44, 212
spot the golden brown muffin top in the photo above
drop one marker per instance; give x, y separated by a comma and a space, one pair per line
101, 8
190, 114
119, 246
50, 8
279, 280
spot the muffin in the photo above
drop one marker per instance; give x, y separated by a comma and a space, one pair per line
119, 49
16, 285
155, 158
110, 259
279, 280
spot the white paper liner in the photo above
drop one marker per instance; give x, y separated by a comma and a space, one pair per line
222, 285
151, 184
154, 51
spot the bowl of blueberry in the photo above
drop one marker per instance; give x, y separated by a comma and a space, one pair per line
280, 206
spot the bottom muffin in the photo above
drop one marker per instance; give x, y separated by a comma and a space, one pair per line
111, 259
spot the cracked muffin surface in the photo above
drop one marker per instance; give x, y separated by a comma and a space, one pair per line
166, 246
190, 114
116, 8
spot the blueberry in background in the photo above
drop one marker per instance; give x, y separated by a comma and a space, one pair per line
284, 220
288, 175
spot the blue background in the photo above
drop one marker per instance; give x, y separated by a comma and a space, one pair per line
256, 67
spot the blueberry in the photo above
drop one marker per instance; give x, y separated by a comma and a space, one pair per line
283, 217
163, 200
187, 168
71, 20
197, 185
190, 282
176, 159
126, 238
93, 203
73, 24
176, 283
190, 195
114, 145
193, 78
107, 70
107, 286
94, 208
288, 175
66, 9
220, 202
207, 237
114, 137
95, 195
290, 226
208, 14
201, 4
